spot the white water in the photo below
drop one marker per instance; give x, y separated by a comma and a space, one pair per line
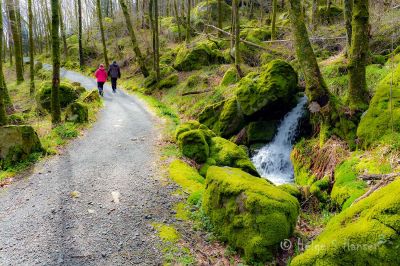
273, 160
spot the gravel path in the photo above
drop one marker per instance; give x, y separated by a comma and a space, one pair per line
41, 223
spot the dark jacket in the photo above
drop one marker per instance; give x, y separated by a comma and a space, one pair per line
114, 71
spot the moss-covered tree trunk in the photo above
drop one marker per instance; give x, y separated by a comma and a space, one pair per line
81, 60
348, 16
273, 23
188, 30
157, 41
3, 89
314, 14
135, 45
55, 42
16, 39
19, 27
316, 88
103, 39
63, 35
31, 49
358, 96
219, 7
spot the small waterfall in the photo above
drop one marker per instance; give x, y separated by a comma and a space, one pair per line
273, 160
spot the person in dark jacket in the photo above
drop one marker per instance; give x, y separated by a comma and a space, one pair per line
114, 73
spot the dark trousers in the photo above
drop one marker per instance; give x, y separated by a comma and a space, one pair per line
100, 86
114, 83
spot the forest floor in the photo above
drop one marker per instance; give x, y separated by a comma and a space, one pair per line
95, 203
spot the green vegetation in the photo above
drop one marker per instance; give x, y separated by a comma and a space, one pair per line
248, 212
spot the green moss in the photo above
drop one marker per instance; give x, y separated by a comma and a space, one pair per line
347, 187
275, 87
207, 12
77, 112
182, 211
366, 233
193, 145
186, 176
17, 144
191, 125
291, 189
91, 96
249, 213
230, 77
319, 189
197, 55
167, 233
255, 35
380, 118
261, 132
226, 153
230, 120
301, 158
68, 94
168, 82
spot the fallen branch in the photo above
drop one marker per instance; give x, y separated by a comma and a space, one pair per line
384, 181
377, 176
195, 92
398, 6
311, 39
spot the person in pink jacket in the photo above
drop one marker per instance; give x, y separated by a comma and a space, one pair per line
101, 76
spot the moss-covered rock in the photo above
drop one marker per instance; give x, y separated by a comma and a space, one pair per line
230, 77
77, 113
197, 55
188, 179
227, 153
249, 213
367, 233
92, 96
379, 118
193, 145
261, 132
17, 143
191, 125
224, 118
68, 94
273, 90
291, 189
168, 82
255, 35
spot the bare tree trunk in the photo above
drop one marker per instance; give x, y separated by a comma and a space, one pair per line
135, 45
81, 60
348, 16
188, 21
31, 50
3, 88
63, 36
103, 39
55, 42
16, 39
178, 19
273, 23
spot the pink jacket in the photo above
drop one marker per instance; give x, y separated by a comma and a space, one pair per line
101, 74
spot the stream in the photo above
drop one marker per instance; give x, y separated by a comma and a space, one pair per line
273, 160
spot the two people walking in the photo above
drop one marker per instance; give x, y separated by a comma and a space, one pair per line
114, 72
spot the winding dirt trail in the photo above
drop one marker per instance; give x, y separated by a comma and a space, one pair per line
109, 223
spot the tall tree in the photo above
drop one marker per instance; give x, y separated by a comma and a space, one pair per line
358, 95
103, 39
188, 30
236, 32
314, 14
135, 45
63, 35
81, 60
16, 39
273, 23
348, 16
157, 41
31, 49
178, 20
316, 88
219, 9
55, 41
3, 89
19, 27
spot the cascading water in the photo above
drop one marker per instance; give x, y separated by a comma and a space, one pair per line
273, 160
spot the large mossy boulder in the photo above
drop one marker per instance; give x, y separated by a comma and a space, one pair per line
17, 143
271, 90
367, 233
91, 97
226, 153
224, 118
77, 113
377, 121
249, 213
261, 131
197, 55
193, 145
67, 94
